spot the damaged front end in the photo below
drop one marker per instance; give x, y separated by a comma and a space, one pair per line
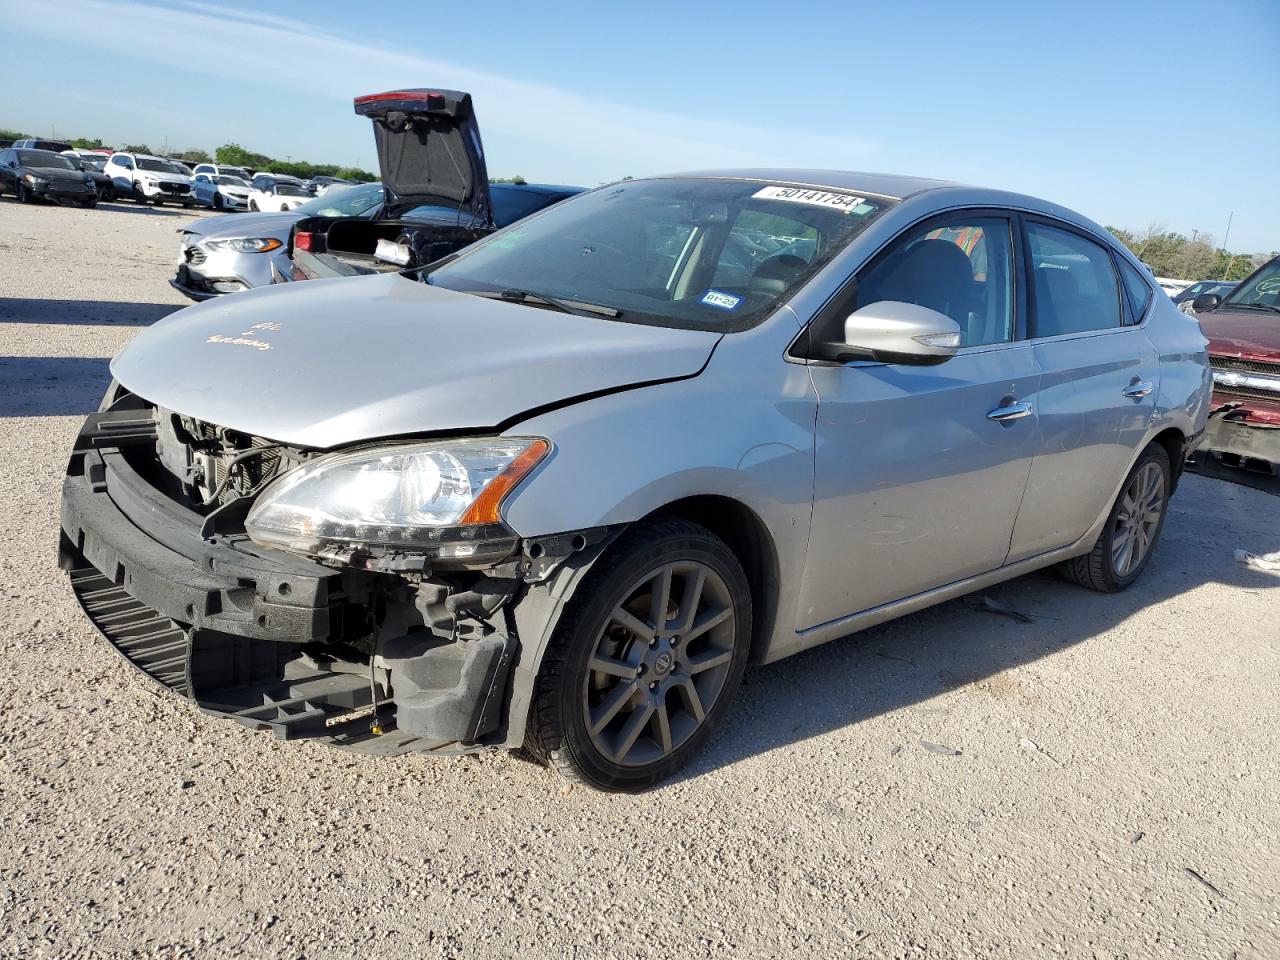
381, 637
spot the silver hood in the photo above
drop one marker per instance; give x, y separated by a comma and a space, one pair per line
234, 225
332, 362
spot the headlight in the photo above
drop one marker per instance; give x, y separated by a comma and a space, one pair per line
439, 498
34, 180
246, 244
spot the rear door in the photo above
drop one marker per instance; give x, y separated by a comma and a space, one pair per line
919, 471
1099, 381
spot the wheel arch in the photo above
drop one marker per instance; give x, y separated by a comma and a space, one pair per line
1174, 442
747, 536
537, 614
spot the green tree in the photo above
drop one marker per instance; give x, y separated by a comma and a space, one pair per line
136, 148
194, 155
234, 155
82, 143
12, 135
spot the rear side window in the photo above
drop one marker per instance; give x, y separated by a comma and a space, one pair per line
1074, 283
1136, 289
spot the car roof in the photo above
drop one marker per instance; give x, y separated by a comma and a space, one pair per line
892, 186
536, 187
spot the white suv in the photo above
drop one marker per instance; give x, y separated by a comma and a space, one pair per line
148, 179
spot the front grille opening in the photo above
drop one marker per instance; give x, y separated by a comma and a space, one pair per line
204, 466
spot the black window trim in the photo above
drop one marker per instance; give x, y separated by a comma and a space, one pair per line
1122, 298
836, 309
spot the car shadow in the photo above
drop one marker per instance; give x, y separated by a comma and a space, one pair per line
121, 206
1208, 466
128, 206
52, 386
964, 645
83, 312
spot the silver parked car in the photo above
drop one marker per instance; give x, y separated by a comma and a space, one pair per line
235, 252
558, 489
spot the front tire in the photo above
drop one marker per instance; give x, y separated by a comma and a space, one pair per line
89, 204
253, 206
1133, 527
646, 659
217, 202
24, 194
139, 197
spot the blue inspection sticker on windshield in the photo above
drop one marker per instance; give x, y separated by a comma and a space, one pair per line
718, 298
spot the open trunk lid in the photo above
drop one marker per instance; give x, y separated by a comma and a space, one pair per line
429, 151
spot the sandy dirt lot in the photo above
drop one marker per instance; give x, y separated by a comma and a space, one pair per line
1112, 790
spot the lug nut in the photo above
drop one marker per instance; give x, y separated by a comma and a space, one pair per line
653, 642
653, 685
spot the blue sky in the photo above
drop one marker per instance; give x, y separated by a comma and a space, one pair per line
1094, 105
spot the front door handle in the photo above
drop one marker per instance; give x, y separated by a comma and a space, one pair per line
1138, 389
1010, 410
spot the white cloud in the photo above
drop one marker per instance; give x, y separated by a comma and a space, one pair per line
591, 138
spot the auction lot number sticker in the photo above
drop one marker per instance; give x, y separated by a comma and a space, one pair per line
816, 198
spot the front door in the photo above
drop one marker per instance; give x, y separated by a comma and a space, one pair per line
919, 471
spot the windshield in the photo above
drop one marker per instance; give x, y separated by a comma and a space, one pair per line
237, 172
692, 253
290, 190
97, 163
43, 158
1261, 289
343, 201
230, 182
156, 166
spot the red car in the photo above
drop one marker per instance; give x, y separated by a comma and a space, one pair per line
1244, 349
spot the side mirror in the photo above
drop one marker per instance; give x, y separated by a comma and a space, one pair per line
890, 331
1205, 302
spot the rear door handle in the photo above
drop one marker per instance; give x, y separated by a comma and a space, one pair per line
1138, 389
1011, 411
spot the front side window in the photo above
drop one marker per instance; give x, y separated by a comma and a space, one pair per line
703, 254
963, 269
1073, 282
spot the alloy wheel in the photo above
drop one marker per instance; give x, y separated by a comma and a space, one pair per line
659, 664
1138, 519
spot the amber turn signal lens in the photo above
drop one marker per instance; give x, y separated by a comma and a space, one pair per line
485, 507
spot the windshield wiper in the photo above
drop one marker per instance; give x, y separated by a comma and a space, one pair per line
1248, 306
578, 307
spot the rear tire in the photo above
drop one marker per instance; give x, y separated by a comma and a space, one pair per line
646, 659
1129, 538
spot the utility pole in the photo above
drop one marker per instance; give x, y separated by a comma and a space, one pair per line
1231, 260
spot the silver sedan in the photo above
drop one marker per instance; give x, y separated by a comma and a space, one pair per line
235, 252
559, 489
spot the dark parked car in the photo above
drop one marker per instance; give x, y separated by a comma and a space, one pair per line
42, 175
103, 186
437, 195
1244, 350
34, 143
1220, 287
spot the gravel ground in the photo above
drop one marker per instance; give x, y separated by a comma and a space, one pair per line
1110, 788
